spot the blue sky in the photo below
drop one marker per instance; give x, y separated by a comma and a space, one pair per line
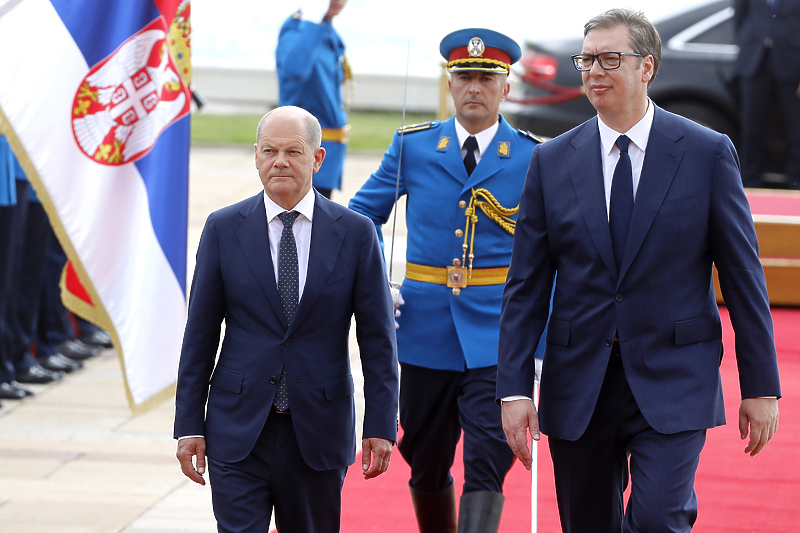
379, 34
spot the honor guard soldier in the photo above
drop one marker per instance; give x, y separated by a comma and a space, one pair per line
311, 69
463, 178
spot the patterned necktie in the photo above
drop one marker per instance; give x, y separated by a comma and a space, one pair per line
469, 159
288, 289
621, 204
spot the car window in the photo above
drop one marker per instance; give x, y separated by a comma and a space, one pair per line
721, 33
713, 34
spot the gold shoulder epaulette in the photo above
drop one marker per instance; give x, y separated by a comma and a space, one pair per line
531, 136
411, 128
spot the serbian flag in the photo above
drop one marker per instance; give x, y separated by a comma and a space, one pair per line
94, 99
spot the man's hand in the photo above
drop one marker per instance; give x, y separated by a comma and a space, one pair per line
375, 452
187, 449
760, 417
518, 416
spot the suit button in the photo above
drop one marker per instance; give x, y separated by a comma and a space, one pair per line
287, 342
609, 342
619, 297
273, 380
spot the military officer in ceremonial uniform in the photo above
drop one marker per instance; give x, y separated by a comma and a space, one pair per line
311, 69
463, 178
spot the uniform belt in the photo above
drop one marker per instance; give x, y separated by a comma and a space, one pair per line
480, 276
339, 135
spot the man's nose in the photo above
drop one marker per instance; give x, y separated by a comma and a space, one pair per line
596, 69
280, 160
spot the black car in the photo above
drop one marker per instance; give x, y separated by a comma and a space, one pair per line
696, 79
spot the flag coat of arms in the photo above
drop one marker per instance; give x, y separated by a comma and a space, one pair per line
94, 99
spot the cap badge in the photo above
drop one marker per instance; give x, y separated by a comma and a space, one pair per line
476, 47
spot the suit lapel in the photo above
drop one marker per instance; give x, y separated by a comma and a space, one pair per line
586, 171
658, 170
327, 236
253, 235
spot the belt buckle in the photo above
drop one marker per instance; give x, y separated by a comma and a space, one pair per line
456, 277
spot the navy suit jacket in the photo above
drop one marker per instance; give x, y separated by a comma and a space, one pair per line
690, 212
228, 402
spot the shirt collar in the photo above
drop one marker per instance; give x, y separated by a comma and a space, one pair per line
638, 134
305, 206
484, 137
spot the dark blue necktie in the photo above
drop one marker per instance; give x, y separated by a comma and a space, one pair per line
621, 204
469, 159
288, 289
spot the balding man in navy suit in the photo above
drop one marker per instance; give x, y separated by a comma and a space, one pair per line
286, 270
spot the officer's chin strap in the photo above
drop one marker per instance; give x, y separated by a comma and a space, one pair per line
394, 286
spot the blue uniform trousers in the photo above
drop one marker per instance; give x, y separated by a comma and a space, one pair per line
435, 406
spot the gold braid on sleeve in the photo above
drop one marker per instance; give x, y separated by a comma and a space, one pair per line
483, 199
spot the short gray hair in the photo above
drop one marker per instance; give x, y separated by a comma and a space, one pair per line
643, 36
313, 129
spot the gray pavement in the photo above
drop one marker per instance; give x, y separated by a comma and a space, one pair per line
74, 460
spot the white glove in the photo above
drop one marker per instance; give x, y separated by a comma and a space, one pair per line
400, 302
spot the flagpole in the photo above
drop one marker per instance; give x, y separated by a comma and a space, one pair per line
534, 466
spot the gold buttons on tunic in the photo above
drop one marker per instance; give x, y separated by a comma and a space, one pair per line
456, 291
462, 204
459, 233
456, 262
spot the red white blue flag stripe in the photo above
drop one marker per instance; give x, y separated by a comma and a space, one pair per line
94, 99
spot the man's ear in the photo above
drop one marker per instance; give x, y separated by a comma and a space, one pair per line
319, 157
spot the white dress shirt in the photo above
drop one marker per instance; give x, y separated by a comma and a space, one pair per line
484, 138
302, 233
638, 135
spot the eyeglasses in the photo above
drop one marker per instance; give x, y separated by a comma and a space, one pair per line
607, 60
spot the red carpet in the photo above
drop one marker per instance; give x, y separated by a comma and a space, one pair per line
736, 493
771, 202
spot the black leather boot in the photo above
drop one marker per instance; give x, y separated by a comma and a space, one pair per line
480, 512
436, 511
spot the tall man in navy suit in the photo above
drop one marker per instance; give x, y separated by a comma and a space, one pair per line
632, 209
286, 269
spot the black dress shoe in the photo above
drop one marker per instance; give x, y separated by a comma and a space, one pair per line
39, 374
59, 363
98, 338
9, 392
26, 390
77, 350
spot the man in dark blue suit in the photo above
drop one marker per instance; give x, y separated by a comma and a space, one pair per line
287, 270
768, 66
632, 209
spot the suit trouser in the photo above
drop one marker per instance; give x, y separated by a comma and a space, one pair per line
591, 473
759, 94
435, 405
274, 475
